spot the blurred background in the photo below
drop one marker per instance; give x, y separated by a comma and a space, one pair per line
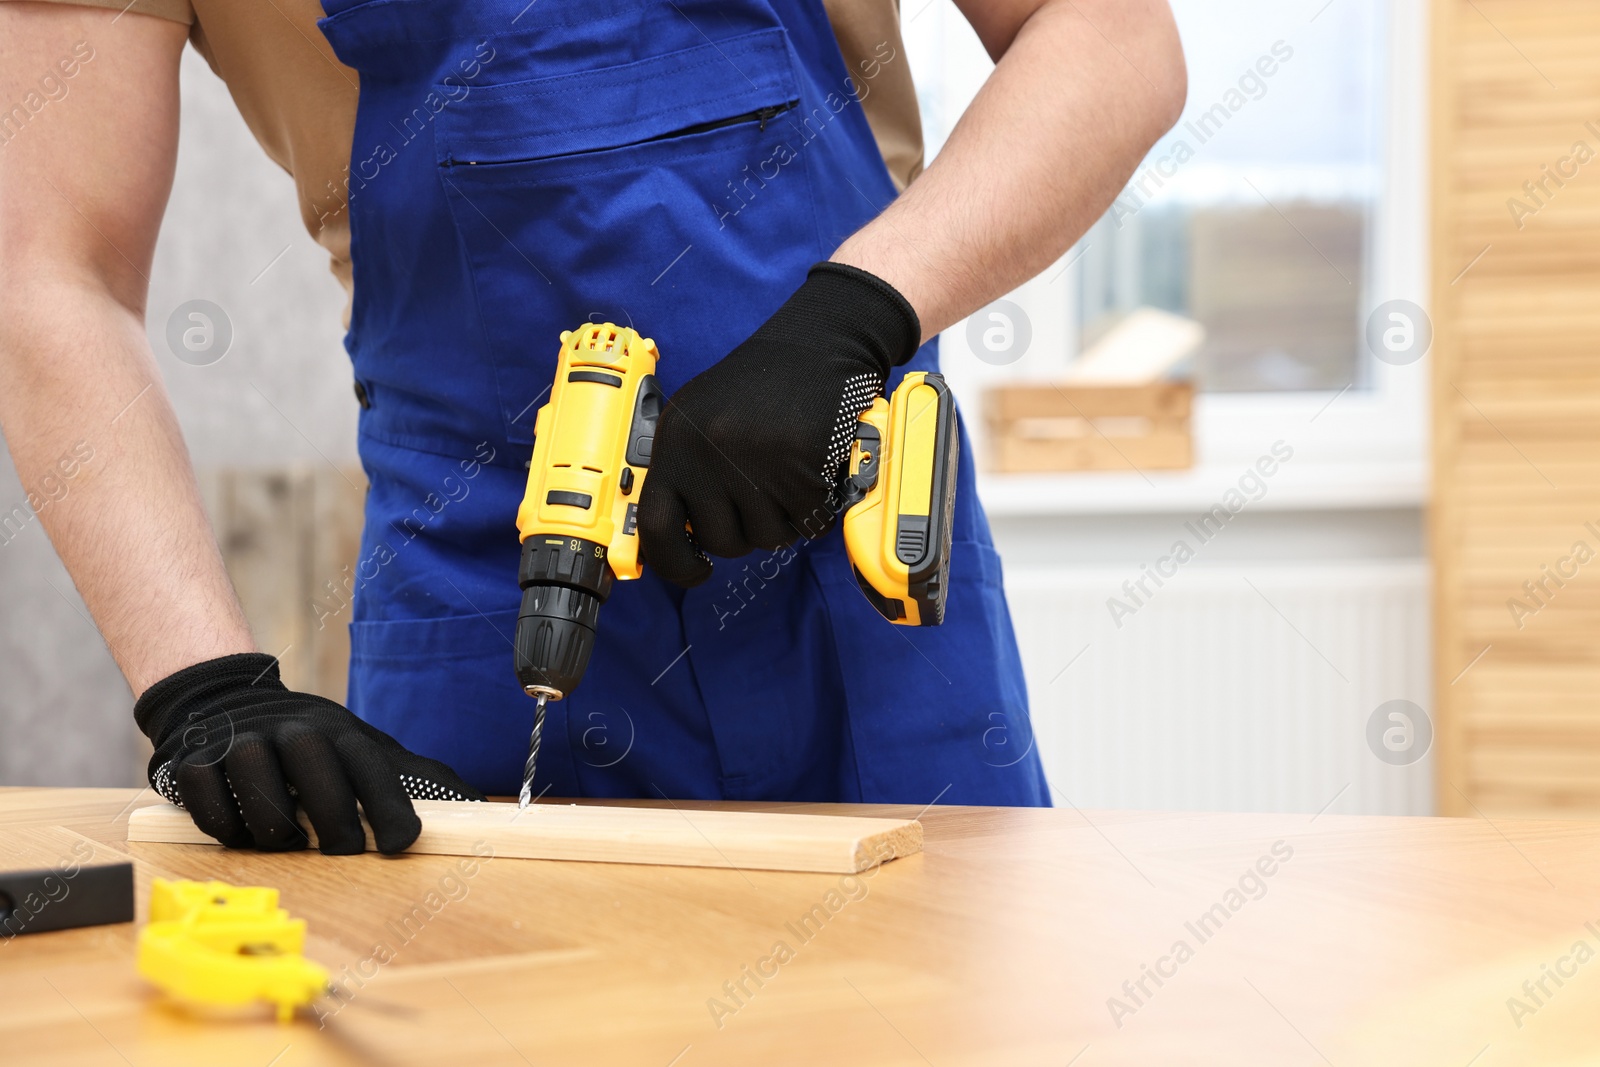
1249, 251
1272, 455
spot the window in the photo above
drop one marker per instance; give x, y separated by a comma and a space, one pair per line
1253, 216
1298, 210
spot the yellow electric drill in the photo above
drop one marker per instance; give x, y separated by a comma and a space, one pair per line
579, 517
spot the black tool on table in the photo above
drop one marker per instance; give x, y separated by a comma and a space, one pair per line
35, 902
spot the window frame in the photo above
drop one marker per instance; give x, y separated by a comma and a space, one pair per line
1366, 445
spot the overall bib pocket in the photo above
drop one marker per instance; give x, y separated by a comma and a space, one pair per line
670, 194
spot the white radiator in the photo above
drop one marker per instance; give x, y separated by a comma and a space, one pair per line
1231, 688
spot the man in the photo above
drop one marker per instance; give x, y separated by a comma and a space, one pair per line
723, 174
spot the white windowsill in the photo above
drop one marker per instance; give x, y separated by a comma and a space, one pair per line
1309, 487
1357, 451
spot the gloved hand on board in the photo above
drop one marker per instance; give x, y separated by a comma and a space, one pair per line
232, 741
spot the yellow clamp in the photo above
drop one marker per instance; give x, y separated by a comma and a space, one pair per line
218, 944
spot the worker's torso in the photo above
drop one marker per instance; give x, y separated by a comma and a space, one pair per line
300, 101
518, 169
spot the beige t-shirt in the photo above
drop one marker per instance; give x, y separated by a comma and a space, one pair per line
300, 101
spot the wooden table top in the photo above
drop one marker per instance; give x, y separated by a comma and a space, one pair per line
1330, 940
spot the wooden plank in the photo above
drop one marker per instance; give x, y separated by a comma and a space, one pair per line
830, 844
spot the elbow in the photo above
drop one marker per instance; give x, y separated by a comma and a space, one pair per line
1169, 76
1141, 35
1174, 94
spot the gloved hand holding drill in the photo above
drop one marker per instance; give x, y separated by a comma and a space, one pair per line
748, 452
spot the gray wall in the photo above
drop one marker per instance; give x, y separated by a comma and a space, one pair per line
233, 236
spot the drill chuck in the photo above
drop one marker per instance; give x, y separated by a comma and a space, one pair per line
564, 581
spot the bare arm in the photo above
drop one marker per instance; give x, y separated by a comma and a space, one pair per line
1081, 90
83, 184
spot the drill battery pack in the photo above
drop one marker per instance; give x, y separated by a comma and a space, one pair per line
899, 500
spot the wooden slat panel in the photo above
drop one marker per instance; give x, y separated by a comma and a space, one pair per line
1516, 405
289, 538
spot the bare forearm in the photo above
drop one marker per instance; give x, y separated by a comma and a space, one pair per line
84, 414
98, 449
1078, 97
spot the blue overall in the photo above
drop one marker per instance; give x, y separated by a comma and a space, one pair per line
519, 168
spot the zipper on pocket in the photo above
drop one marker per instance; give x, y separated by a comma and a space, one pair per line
762, 115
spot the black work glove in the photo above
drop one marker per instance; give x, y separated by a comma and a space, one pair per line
749, 452
231, 740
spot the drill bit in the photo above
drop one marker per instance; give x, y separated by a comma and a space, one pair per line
526, 796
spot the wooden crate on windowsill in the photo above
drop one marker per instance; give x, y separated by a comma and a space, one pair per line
1090, 427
